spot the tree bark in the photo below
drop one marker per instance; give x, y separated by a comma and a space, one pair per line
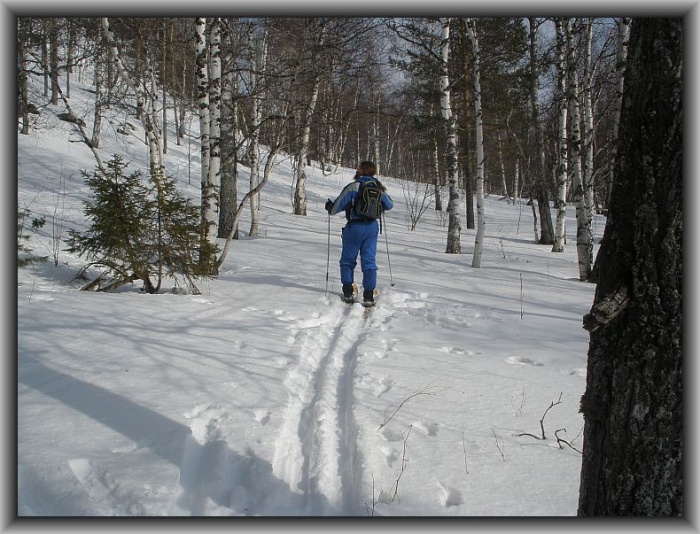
454, 226
563, 154
213, 186
633, 404
202, 81
479, 129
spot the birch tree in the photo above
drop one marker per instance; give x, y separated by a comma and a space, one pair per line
582, 217
258, 64
209, 215
454, 226
213, 180
479, 127
538, 180
563, 153
318, 37
586, 247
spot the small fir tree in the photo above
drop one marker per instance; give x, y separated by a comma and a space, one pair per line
138, 232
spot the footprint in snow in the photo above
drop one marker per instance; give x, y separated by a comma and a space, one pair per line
391, 455
449, 496
382, 386
429, 429
262, 416
391, 435
521, 360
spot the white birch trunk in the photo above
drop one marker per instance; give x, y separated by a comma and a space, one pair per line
478, 114
454, 226
256, 112
562, 163
202, 77
307, 115
214, 169
576, 167
588, 134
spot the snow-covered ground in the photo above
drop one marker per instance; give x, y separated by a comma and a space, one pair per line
266, 395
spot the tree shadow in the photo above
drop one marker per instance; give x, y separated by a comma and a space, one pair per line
209, 471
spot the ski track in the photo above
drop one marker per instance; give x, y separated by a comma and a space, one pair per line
316, 468
316, 453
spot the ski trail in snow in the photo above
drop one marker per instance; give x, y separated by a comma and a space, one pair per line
316, 452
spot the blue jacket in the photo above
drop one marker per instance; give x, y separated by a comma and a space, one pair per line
349, 194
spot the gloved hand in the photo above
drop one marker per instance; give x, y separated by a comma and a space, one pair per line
329, 206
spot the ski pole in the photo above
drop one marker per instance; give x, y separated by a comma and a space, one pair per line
388, 258
328, 260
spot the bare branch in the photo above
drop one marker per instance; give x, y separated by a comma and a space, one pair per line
403, 464
552, 405
422, 391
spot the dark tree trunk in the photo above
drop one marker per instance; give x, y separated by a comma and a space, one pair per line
633, 405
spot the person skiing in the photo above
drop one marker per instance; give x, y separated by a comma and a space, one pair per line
361, 232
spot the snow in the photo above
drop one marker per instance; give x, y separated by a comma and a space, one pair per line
266, 395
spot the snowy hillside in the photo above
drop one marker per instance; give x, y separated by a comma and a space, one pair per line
266, 395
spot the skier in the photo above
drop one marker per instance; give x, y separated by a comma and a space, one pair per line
360, 233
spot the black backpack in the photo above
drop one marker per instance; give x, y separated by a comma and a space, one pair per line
368, 203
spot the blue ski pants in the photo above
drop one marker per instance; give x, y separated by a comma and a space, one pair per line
360, 238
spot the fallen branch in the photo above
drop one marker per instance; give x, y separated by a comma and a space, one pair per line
403, 465
498, 445
542, 420
560, 441
423, 391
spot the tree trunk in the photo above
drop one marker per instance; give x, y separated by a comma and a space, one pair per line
229, 129
259, 61
307, 116
502, 167
563, 153
479, 128
633, 404
467, 143
585, 247
213, 187
541, 191
454, 226
53, 58
97, 123
583, 240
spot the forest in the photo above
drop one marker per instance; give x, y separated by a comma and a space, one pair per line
526, 108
